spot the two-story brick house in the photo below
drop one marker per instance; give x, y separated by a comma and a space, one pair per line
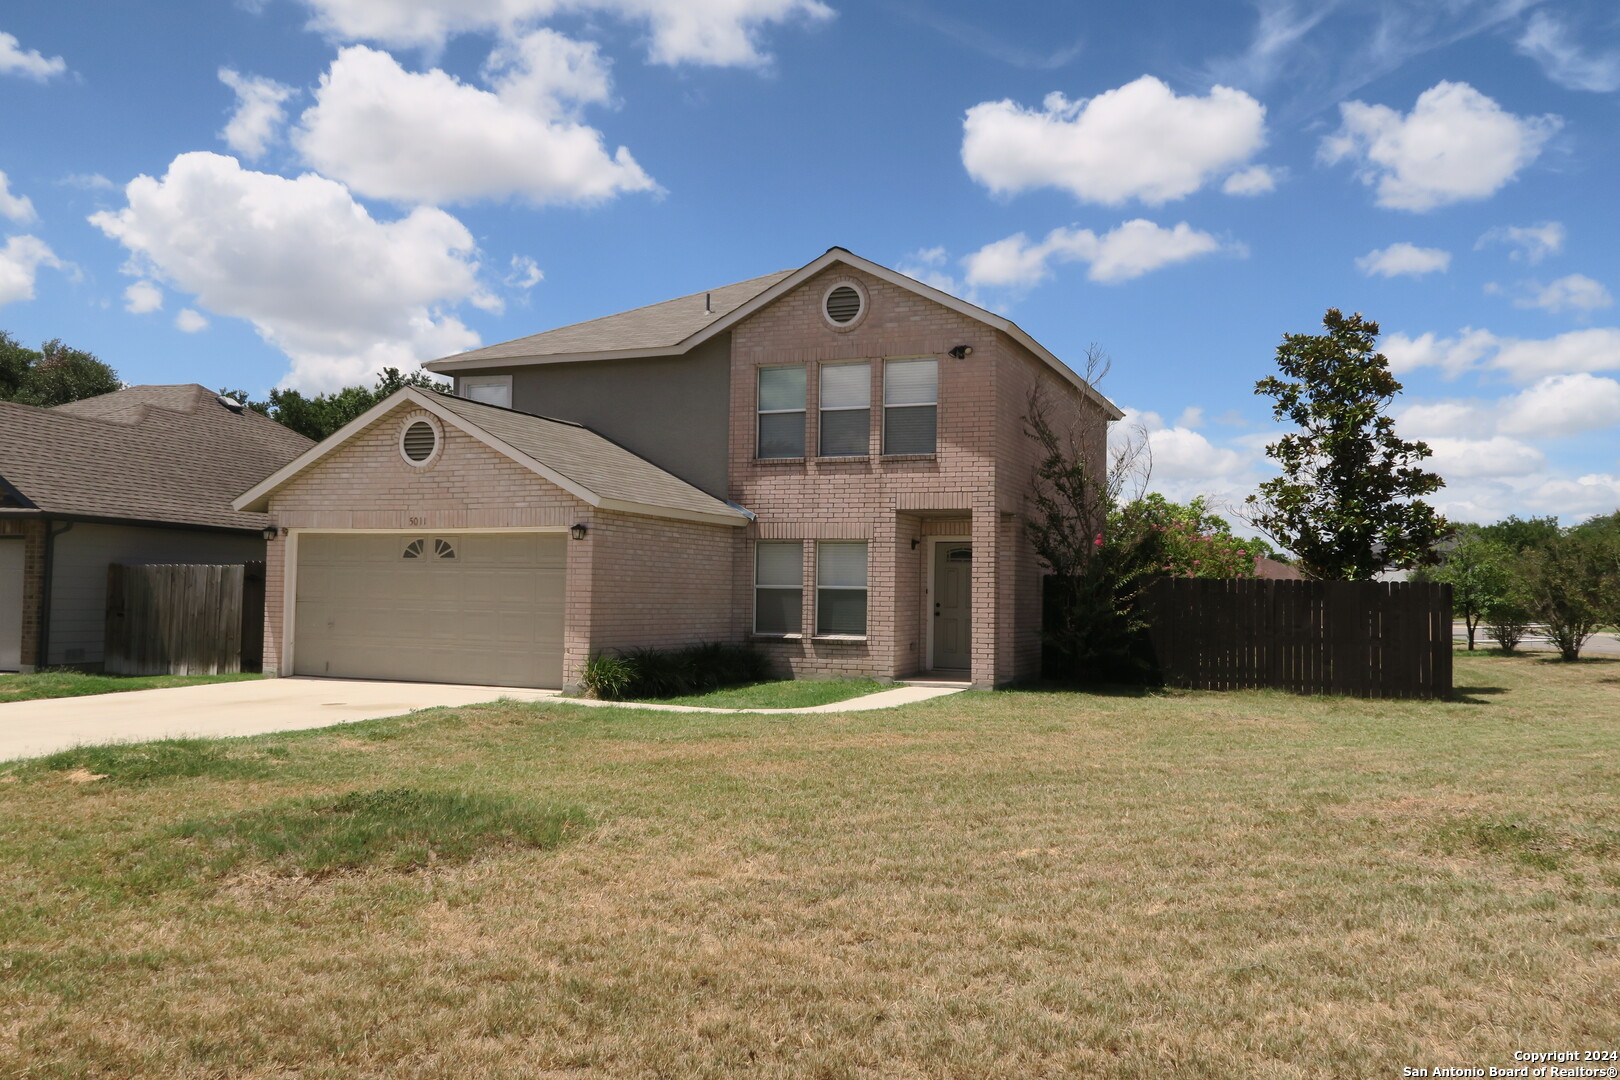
830, 463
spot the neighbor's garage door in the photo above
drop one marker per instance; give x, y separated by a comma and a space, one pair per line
484, 608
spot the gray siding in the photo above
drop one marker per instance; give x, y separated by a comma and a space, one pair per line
672, 410
79, 575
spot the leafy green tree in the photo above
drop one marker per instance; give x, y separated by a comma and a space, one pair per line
1522, 534
1197, 541
1349, 501
1093, 624
1480, 575
53, 375
1572, 585
319, 416
1509, 617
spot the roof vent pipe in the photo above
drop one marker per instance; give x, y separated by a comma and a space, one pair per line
708, 308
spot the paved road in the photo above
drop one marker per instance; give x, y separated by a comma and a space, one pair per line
32, 728
1597, 645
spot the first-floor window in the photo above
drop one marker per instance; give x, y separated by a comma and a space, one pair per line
778, 586
841, 587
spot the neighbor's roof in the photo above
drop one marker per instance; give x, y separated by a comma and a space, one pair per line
678, 326
657, 326
171, 454
575, 458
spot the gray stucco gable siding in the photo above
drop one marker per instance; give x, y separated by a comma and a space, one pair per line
673, 410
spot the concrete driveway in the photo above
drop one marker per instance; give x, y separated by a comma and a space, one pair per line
33, 728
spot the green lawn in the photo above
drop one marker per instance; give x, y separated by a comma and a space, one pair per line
55, 684
782, 694
987, 885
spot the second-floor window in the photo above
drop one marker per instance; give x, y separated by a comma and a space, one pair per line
846, 410
910, 406
781, 412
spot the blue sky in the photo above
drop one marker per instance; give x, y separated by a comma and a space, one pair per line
295, 192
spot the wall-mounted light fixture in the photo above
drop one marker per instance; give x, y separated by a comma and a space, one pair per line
271, 533
962, 352
914, 544
577, 530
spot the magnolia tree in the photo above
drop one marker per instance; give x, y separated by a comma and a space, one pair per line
1349, 502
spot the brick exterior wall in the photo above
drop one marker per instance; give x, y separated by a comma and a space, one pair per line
632, 581
32, 530
975, 484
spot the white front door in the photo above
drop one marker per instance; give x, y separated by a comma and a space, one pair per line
11, 602
953, 604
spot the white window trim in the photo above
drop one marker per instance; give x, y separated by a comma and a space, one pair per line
815, 620
754, 618
867, 408
860, 316
803, 411
883, 426
467, 382
438, 439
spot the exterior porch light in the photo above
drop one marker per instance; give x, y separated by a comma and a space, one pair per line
577, 530
270, 533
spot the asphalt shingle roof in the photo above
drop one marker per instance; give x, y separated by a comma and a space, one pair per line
656, 326
597, 464
148, 453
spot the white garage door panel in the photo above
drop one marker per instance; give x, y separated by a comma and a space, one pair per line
492, 615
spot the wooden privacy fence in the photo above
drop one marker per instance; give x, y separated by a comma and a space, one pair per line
184, 619
1358, 638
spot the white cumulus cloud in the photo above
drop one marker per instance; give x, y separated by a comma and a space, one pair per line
259, 113
20, 261
1576, 292
526, 273
340, 292
1452, 355
1404, 259
1493, 457
1549, 43
1579, 350
429, 138
1123, 253
1562, 405
142, 297
1255, 180
1179, 453
190, 321
1531, 243
18, 208
1456, 144
15, 60
712, 32
1140, 141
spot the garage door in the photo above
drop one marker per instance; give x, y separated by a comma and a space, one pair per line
483, 608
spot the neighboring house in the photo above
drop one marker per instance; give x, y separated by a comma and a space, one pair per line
143, 475
1276, 569
829, 463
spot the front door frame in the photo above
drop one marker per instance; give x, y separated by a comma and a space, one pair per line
928, 594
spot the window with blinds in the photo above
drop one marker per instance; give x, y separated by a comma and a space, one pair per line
778, 587
781, 412
910, 406
846, 410
841, 587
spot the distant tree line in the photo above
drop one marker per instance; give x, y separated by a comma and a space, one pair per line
319, 416
56, 374
1522, 572
53, 374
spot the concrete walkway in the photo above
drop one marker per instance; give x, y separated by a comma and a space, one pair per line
33, 728
883, 699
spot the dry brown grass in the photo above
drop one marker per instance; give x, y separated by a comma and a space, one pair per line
990, 885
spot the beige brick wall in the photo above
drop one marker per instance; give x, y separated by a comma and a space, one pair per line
975, 484
632, 581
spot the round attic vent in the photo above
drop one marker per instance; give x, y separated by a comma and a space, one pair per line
419, 441
843, 305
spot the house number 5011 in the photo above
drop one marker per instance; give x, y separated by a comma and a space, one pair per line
416, 521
